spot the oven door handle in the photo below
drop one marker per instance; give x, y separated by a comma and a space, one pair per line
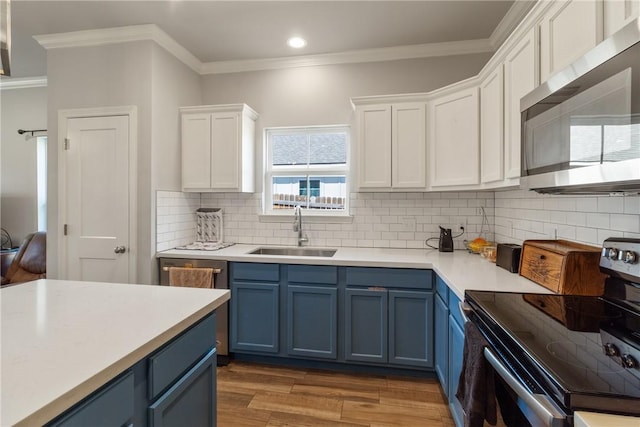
465, 309
539, 404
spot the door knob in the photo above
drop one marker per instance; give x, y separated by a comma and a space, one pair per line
120, 249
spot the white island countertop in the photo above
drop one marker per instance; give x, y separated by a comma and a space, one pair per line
460, 270
62, 340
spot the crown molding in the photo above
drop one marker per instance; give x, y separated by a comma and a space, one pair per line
23, 83
510, 21
106, 36
351, 57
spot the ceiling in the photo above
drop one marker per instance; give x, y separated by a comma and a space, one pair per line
216, 31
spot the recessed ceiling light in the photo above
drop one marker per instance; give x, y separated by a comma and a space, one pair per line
297, 42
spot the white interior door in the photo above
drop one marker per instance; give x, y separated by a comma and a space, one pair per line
96, 183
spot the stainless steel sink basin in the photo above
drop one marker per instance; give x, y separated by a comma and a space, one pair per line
327, 253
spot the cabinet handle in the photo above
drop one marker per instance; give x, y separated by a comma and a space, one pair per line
377, 288
215, 270
543, 257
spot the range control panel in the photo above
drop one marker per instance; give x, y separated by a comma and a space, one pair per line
621, 255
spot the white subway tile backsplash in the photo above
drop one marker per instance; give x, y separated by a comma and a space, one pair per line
406, 220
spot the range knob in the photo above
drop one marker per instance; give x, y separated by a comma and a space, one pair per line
628, 361
613, 254
611, 350
629, 257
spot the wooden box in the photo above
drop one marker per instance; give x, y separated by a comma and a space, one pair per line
563, 267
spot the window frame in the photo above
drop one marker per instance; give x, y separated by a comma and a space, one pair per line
309, 171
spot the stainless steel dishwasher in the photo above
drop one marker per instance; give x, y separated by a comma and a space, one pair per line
220, 281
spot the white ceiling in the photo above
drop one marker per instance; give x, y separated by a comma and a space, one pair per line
247, 30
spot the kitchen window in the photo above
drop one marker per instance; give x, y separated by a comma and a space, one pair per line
307, 167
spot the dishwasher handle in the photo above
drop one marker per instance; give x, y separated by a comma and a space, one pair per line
539, 404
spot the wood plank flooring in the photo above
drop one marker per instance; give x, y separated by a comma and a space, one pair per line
269, 396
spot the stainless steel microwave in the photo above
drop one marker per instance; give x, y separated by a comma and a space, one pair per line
581, 129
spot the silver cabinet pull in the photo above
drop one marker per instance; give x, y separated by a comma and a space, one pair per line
120, 249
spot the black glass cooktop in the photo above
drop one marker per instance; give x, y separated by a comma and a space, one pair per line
582, 348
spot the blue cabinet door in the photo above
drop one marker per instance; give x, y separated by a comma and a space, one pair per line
312, 321
456, 348
191, 401
366, 325
254, 317
111, 406
411, 328
442, 343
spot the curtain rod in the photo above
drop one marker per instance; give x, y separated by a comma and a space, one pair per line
32, 132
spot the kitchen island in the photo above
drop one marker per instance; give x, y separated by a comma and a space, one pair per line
64, 340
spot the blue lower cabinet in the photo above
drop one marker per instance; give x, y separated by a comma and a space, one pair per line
456, 349
411, 328
191, 400
366, 325
312, 321
111, 406
254, 317
441, 353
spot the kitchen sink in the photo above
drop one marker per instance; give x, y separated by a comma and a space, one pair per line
327, 253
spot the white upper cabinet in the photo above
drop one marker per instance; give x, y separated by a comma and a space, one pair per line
520, 78
454, 140
568, 30
618, 13
491, 127
218, 148
408, 141
390, 148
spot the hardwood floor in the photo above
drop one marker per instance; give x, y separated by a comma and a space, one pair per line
269, 396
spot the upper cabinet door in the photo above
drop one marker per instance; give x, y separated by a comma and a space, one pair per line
567, 31
196, 150
218, 152
491, 127
454, 139
225, 150
618, 13
374, 146
520, 78
408, 143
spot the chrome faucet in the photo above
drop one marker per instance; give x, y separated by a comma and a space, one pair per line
297, 226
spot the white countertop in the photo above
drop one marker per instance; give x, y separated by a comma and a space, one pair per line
592, 419
459, 269
62, 340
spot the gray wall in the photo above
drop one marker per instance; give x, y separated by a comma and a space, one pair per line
137, 73
86, 77
21, 109
173, 85
321, 95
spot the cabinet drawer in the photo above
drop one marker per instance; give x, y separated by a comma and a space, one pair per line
179, 355
390, 277
326, 274
113, 406
542, 266
442, 289
253, 271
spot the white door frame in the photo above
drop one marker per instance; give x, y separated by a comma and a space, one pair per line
130, 111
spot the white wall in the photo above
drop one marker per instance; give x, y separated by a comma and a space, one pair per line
21, 109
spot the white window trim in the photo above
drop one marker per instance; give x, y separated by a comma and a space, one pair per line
329, 170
